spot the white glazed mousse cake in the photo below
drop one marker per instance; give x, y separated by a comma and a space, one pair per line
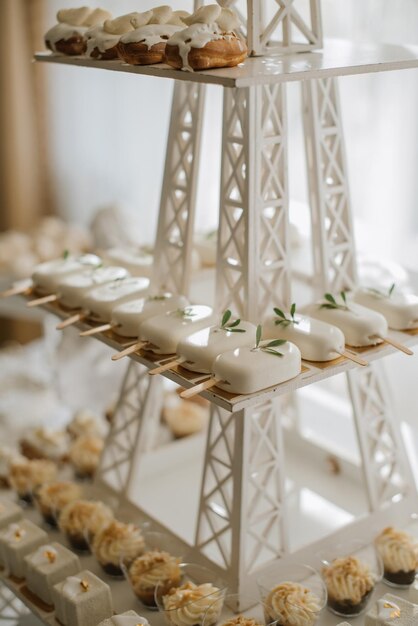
17, 541
138, 261
392, 610
127, 318
249, 370
9, 513
47, 276
400, 310
47, 566
361, 326
82, 600
101, 301
129, 618
72, 289
316, 340
202, 348
164, 332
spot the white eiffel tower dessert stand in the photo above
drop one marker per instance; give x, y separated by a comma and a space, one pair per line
241, 520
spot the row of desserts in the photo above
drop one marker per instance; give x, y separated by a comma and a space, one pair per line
206, 39
231, 350
157, 578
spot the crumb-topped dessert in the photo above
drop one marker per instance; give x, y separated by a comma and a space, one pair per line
25, 476
82, 600
185, 418
292, 604
191, 603
17, 541
83, 519
85, 455
86, 422
117, 543
43, 443
8, 455
349, 583
47, 566
242, 620
399, 553
151, 569
53, 497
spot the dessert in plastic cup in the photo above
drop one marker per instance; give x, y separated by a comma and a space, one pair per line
117, 544
398, 550
351, 572
188, 600
232, 613
292, 595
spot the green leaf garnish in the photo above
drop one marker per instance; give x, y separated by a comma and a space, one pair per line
65, 254
285, 321
333, 304
258, 335
275, 343
232, 327
271, 351
157, 298
226, 317
382, 294
186, 313
269, 347
392, 287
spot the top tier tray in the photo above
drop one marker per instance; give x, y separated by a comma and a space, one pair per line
337, 58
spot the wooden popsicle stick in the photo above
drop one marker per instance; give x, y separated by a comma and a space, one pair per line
396, 344
193, 391
17, 290
77, 317
353, 357
96, 330
129, 350
166, 366
44, 300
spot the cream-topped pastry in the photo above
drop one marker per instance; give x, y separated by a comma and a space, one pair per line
138, 261
53, 497
361, 326
316, 340
292, 604
25, 476
85, 454
185, 418
146, 45
248, 370
199, 350
9, 512
72, 289
129, 618
117, 543
209, 41
152, 569
85, 422
82, 600
47, 276
128, 317
44, 443
399, 553
349, 583
101, 301
68, 36
164, 332
83, 519
17, 541
100, 44
47, 566
400, 310
392, 610
189, 604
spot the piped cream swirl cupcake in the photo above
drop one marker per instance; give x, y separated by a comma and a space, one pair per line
151, 569
190, 604
349, 582
83, 519
25, 476
117, 543
399, 553
52, 498
85, 455
292, 604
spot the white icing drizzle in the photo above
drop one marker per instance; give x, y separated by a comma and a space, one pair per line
151, 34
98, 38
63, 32
195, 36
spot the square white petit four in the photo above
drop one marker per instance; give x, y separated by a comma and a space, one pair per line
47, 566
390, 610
9, 512
17, 541
82, 600
129, 618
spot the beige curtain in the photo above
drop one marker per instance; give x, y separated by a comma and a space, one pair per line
24, 182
